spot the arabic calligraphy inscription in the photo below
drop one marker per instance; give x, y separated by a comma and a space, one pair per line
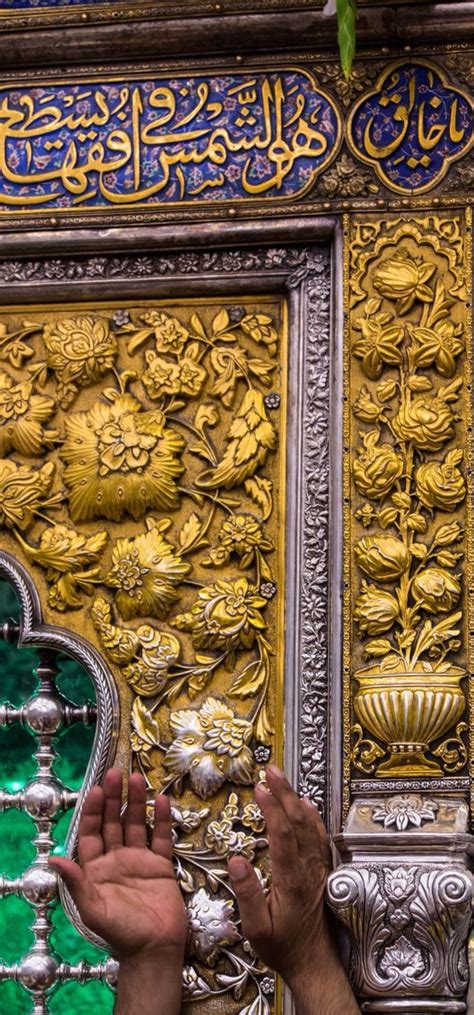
411, 126
117, 143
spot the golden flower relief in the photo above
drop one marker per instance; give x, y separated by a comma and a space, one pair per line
404, 278
375, 609
436, 590
260, 328
439, 346
382, 557
22, 415
162, 377
224, 615
145, 654
441, 484
79, 350
23, 492
380, 340
170, 334
120, 460
71, 561
413, 626
241, 534
146, 571
211, 746
427, 422
377, 468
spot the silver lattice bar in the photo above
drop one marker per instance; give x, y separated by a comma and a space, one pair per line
45, 713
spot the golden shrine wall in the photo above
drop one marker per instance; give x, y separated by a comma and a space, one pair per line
235, 448
142, 484
408, 467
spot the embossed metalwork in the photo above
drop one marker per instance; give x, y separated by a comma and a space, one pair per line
142, 644
115, 142
411, 126
407, 383
406, 901
195, 427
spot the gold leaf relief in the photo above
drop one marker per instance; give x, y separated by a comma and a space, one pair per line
142, 483
406, 381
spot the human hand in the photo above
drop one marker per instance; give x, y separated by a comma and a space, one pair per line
289, 927
125, 891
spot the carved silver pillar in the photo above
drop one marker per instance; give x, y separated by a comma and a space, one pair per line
404, 895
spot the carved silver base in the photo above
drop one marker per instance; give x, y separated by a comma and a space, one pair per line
405, 898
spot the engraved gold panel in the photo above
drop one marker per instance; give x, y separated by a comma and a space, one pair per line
142, 484
407, 494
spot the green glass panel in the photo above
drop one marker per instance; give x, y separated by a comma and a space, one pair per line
16, 848
74, 747
13, 999
67, 941
82, 999
16, 917
16, 751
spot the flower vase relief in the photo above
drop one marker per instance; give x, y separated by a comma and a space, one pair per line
408, 466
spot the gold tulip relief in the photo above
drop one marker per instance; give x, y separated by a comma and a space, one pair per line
408, 461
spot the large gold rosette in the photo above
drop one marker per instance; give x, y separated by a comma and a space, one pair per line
119, 460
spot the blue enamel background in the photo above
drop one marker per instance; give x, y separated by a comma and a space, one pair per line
114, 143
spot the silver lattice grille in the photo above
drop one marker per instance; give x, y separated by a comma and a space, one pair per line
44, 799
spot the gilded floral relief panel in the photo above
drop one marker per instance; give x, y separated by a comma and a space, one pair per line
142, 485
407, 495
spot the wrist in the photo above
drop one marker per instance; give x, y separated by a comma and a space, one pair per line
153, 957
321, 983
141, 973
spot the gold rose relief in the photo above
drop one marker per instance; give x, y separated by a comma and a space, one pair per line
142, 463
407, 495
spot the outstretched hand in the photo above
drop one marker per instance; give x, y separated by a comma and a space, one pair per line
125, 891
289, 928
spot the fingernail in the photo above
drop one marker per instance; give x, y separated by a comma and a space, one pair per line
275, 771
308, 802
261, 788
238, 869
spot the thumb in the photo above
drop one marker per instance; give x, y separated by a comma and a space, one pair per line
254, 911
70, 872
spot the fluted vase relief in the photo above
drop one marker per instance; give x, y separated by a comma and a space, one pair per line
408, 466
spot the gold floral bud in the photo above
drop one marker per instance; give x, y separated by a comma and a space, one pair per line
403, 278
441, 485
377, 468
382, 557
448, 534
427, 422
375, 610
364, 408
436, 590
